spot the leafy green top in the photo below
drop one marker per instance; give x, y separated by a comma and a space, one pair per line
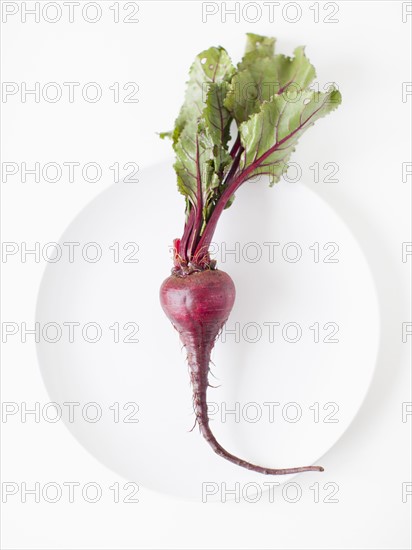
268, 98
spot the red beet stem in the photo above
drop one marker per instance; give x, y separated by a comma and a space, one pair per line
198, 305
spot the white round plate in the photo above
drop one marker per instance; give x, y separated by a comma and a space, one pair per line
292, 400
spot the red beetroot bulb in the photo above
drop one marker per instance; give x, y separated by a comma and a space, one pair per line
198, 305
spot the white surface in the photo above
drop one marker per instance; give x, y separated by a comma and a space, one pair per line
367, 54
280, 371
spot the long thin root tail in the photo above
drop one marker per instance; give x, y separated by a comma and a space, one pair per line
200, 383
218, 449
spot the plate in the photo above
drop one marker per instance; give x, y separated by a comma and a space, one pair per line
292, 366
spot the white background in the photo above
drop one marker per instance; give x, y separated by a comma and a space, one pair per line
367, 53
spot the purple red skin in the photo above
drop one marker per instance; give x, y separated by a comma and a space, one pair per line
198, 305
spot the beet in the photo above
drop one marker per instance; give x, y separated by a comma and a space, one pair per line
211, 166
198, 305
